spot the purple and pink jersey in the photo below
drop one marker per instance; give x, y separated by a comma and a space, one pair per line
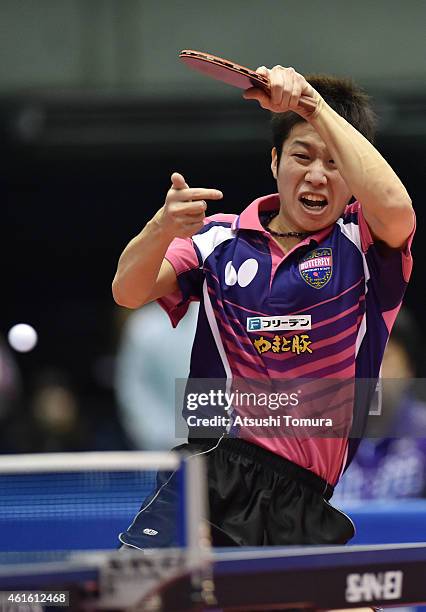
324, 310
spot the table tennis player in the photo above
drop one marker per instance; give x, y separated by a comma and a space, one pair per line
332, 243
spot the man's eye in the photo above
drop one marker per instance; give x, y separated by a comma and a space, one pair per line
300, 156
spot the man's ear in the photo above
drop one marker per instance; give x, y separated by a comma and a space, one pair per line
274, 159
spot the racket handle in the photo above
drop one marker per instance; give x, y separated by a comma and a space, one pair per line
307, 103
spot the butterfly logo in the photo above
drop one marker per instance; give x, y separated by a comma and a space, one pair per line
245, 274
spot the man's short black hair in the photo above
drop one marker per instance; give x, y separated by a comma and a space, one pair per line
343, 95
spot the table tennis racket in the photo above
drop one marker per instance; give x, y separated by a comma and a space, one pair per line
229, 72
224, 70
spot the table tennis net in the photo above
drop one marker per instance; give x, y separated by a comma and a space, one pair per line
75, 501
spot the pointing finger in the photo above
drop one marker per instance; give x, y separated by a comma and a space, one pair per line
187, 196
197, 193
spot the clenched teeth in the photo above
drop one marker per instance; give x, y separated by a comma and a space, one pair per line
313, 198
314, 202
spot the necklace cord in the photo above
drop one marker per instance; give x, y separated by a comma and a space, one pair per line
269, 218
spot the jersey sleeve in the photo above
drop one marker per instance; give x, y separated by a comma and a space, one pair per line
183, 255
185, 258
389, 268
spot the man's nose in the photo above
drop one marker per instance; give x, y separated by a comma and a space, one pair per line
316, 174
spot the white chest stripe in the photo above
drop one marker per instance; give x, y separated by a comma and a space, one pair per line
208, 241
216, 335
351, 231
215, 331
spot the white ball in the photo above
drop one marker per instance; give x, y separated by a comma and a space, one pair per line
22, 337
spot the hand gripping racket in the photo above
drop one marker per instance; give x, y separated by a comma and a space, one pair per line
231, 73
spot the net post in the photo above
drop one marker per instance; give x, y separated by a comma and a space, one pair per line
199, 550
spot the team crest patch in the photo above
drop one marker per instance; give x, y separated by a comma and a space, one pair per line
316, 268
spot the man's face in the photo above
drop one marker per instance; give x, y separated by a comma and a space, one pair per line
312, 192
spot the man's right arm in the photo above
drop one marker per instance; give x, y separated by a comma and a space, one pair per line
143, 274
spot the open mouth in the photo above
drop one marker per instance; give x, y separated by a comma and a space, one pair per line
314, 203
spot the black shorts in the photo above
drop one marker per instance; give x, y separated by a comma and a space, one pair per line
256, 499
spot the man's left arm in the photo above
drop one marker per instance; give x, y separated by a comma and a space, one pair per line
386, 204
